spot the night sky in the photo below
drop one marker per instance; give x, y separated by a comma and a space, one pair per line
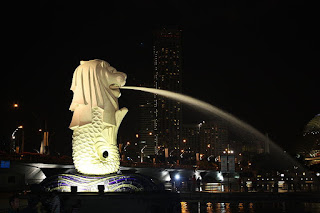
258, 61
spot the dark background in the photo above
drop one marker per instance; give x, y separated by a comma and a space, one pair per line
256, 60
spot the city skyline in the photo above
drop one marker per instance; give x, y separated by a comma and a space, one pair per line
170, 106
265, 74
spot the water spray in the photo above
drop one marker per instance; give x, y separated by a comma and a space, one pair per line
203, 106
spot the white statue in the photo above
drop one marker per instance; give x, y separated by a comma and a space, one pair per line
96, 117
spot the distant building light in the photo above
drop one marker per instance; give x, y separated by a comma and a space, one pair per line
282, 175
20, 127
15, 105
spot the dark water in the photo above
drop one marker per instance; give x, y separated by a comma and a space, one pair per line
250, 207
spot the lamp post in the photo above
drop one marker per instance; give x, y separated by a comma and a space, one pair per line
228, 168
142, 152
22, 139
18, 148
13, 138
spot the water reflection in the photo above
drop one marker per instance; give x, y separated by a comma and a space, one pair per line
209, 208
249, 207
184, 207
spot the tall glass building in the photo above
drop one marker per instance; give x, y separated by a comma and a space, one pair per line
167, 58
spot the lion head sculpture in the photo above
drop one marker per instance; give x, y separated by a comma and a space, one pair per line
95, 84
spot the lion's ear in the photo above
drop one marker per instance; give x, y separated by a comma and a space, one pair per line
82, 62
102, 64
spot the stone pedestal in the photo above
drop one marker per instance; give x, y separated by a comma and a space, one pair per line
90, 183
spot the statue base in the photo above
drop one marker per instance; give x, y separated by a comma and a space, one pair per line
105, 183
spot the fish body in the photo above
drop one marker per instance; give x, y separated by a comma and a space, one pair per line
94, 145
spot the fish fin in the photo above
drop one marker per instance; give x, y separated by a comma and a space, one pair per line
120, 115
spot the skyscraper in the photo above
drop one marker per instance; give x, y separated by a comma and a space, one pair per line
214, 137
167, 58
191, 137
146, 113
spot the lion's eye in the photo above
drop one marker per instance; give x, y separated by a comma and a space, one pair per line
112, 70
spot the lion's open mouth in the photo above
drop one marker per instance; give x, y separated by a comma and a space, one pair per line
114, 86
115, 90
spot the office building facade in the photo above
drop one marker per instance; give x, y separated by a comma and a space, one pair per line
214, 137
167, 58
146, 134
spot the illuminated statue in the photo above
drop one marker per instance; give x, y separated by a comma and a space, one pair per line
95, 123
96, 117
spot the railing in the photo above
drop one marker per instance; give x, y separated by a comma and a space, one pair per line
165, 165
27, 157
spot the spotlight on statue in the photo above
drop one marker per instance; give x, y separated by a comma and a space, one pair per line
74, 189
101, 189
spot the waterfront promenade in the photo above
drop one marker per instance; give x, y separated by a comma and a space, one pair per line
164, 201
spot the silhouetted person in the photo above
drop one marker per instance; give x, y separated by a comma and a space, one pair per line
198, 184
54, 203
294, 187
254, 185
289, 186
14, 203
275, 187
76, 207
245, 187
265, 187
194, 183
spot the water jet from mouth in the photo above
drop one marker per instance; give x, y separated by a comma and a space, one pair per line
205, 107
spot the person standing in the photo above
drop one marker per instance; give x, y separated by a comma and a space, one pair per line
14, 203
55, 203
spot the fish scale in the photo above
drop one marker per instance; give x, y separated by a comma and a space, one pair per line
85, 155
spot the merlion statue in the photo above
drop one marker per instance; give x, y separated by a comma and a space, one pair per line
96, 117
